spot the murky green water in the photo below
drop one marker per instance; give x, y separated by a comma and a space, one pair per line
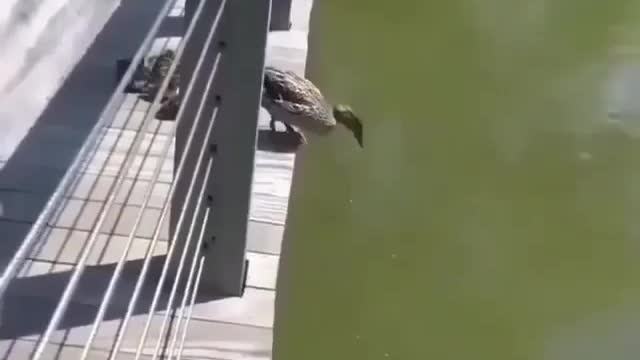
494, 212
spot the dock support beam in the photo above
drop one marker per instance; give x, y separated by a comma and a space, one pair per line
236, 92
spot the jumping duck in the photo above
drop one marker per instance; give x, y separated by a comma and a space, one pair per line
298, 103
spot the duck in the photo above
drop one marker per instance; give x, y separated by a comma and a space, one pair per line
298, 104
289, 98
169, 108
155, 74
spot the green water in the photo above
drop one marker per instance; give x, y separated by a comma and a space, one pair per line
493, 213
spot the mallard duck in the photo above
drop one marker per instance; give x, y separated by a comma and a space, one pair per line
298, 103
289, 98
156, 73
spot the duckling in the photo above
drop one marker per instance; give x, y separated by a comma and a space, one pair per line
298, 103
156, 74
169, 108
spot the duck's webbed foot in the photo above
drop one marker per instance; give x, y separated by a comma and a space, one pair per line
300, 136
297, 133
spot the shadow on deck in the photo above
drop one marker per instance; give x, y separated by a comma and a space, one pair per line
37, 166
83, 308
41, 159
48, 149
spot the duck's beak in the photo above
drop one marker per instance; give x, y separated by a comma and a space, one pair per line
351, 122
358, 136
356, 128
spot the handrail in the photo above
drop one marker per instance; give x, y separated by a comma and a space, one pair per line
221, 54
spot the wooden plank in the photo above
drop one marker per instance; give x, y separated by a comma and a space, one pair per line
264, 237
109, 163
120, 141
66, 246
47, 279
96, 188
83, 215
263, 270
205, 338
23, 350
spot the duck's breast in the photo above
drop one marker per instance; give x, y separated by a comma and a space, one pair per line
308, 121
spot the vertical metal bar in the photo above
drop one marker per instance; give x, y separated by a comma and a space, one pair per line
193, 50
181, 264
158, 291
189, 285
234, 137
192, 301
171, 196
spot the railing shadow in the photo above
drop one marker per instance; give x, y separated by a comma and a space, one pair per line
22, 294
40, 161
42, 157
49, 148
279, 142
173, 26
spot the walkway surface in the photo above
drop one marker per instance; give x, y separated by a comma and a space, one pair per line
232, 328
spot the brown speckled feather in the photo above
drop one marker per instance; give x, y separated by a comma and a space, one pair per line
158, 72
297, 96
290, 87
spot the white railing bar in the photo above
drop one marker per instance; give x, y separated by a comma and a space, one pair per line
113, 191
190, 279
41, 244
178, 173
154, 241
165, 269
194, 294
113, 282
149, 191
89, 145
185, 205
145, 267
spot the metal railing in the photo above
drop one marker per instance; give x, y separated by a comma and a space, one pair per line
221, 60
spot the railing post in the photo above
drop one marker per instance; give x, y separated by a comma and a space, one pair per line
192, 52
280, 15
238, 84
234, 135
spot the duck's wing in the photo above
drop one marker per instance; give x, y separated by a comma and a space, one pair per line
290, 87
306, 110
157, 72
161, 65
